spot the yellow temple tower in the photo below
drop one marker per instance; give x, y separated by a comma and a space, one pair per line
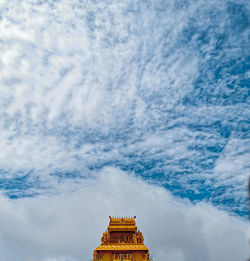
122, 242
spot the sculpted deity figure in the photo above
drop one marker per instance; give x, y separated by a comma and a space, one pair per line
116, 256
140, 238
134, 238
105, 238
128, 256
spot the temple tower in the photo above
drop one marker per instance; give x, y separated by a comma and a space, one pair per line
122, 242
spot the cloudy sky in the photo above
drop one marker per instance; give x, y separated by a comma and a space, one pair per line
133, 107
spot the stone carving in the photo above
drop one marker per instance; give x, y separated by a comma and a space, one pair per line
116, 256
134, 238
105, 238
140, 238
127, 257
122, 238
97, 256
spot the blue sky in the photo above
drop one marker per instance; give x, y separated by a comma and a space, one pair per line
153, 93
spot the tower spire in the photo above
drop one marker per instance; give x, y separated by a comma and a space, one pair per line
121, 241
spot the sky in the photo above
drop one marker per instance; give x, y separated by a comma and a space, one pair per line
124, 108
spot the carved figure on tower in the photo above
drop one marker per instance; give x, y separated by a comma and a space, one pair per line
105, 238
140, 238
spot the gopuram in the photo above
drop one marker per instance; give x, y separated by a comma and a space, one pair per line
122, 242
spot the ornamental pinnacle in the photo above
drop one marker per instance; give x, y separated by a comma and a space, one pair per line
122, 242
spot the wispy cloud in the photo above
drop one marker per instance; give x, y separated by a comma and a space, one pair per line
154, 88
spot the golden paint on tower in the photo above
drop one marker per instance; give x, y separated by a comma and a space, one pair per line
122, 242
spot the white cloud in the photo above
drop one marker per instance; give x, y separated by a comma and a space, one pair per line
68, 226
99, 43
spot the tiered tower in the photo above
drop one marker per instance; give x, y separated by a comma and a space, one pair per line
122, 242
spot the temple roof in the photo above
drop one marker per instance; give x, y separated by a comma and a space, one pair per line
122, 224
